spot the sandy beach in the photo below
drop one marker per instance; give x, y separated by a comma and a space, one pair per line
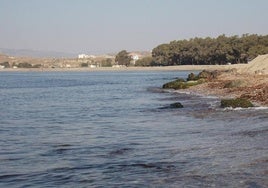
163, 68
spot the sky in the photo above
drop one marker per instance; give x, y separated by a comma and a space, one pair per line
108, 26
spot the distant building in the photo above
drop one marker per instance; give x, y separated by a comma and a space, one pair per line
134, 57
85, 56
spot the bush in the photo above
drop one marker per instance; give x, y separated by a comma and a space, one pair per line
107, 62
146, 61
84, 64
5, 64
25, 65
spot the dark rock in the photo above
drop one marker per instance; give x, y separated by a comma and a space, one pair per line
236, 103
176, 105
192, 77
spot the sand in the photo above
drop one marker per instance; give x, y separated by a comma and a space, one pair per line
257, 66
164, 68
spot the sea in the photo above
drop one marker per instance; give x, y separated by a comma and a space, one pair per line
117, 129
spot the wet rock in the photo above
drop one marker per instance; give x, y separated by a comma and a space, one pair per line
176, 84
173, 105
181, 84
176, 105
236, 103
192, 77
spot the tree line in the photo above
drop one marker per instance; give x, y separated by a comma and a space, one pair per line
210, 51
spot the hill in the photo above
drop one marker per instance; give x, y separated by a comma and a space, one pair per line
36, 53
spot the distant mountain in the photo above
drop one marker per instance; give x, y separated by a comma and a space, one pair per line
36, 53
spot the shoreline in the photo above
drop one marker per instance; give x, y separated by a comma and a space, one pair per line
162, 68
250, 86
255, 88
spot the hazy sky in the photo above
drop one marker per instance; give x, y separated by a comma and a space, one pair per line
103, 26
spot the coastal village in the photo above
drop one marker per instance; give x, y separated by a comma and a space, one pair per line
81, 61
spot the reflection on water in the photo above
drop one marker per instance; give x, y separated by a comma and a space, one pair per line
110, 129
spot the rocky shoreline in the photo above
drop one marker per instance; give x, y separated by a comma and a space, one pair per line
248, 81
236, 85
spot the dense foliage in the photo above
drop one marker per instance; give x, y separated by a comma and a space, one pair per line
144, 62
210, 51
123, 58
5, 64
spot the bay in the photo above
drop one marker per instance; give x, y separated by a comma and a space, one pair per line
113, 129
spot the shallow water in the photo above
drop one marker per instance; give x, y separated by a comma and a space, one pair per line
112, 129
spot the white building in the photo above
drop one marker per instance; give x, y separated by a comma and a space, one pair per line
83, 56
134, 57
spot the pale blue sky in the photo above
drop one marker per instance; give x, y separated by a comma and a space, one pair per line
104, 26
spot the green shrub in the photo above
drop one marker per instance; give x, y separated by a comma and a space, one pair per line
25, 65
5, 64
84, 64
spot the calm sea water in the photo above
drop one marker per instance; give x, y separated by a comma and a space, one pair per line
114, 129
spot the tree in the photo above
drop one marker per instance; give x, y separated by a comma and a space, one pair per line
106, 62
210, 51
144, 62
123, 58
